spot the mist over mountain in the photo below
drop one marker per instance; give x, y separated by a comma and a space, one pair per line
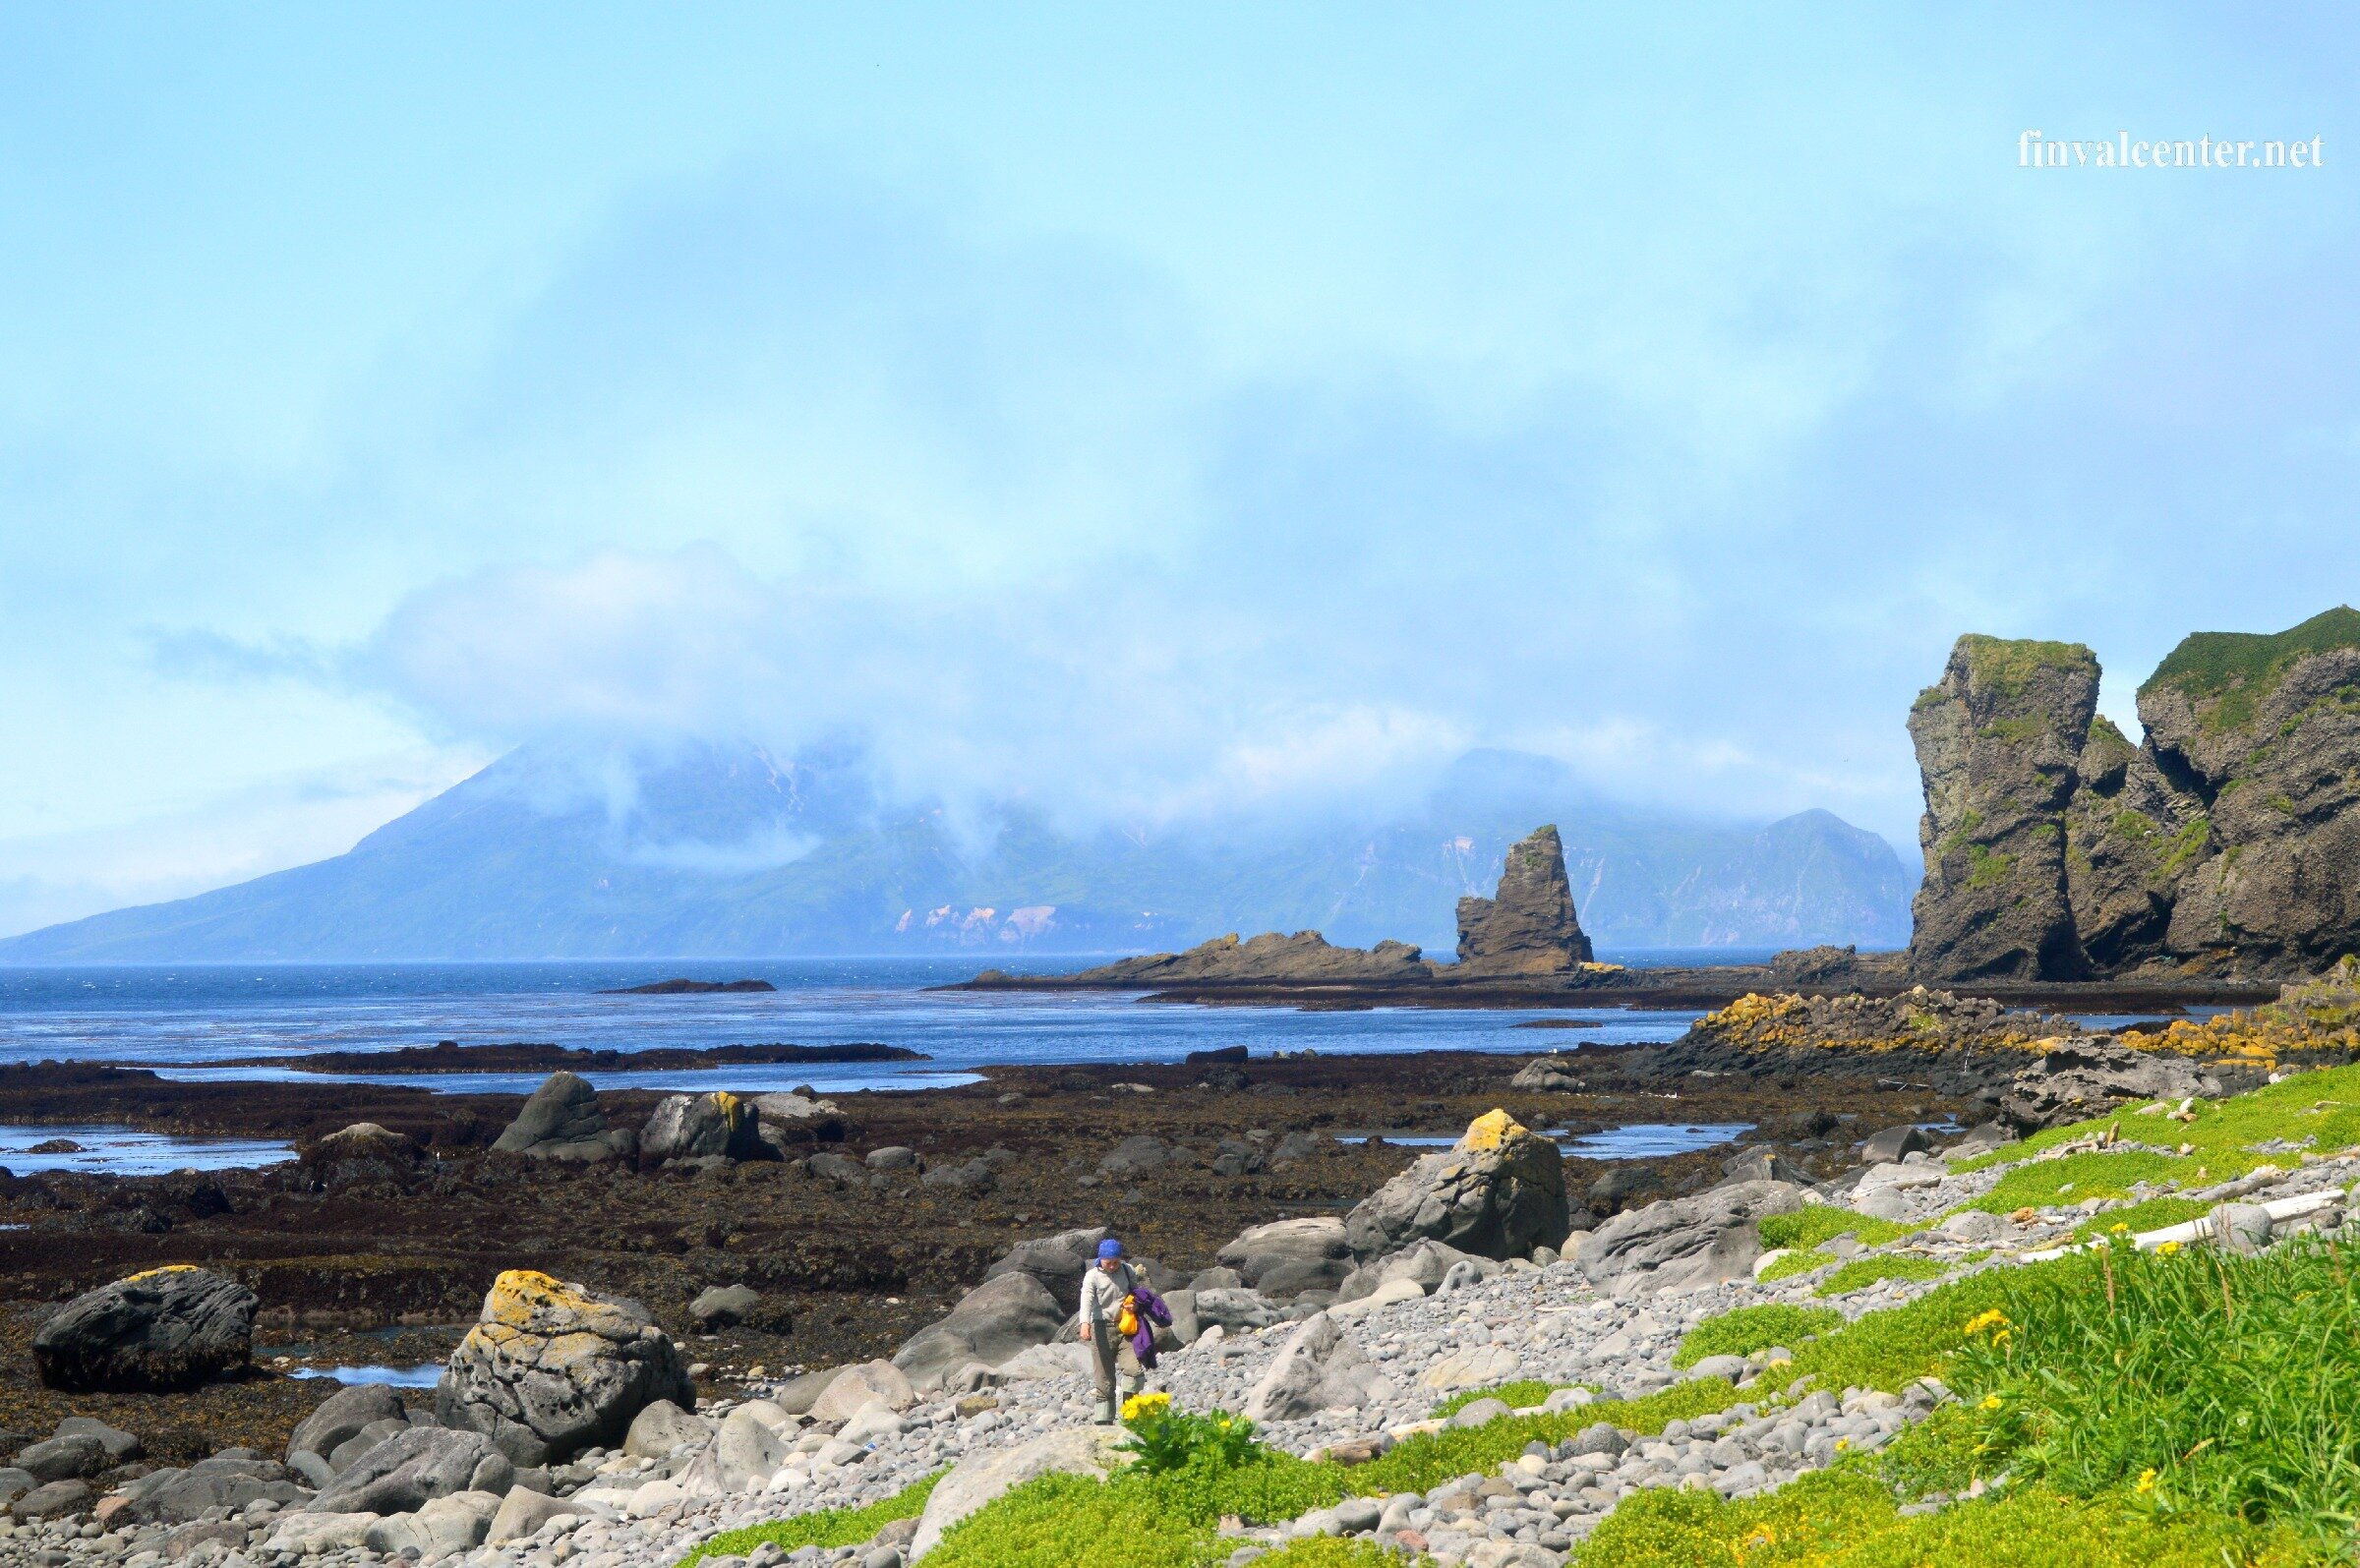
703, 850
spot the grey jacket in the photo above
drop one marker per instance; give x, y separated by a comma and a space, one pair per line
1102, 1292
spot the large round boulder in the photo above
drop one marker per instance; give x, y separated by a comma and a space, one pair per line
689, 1126
1498, 1191
551, 1369
168, 1328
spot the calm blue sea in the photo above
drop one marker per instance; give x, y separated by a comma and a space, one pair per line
184, 1021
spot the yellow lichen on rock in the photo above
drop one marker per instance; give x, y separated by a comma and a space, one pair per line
1490, 1131
165, 1268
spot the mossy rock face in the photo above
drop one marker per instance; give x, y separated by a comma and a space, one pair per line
2265, 730
1999, 739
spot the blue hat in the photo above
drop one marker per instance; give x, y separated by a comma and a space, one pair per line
1110, 1247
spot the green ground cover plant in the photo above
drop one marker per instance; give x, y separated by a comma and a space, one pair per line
1522, 1392
2076, 1177
1743, 1330
1794, 1263
1863, 1272
1817, 1223
825, 1528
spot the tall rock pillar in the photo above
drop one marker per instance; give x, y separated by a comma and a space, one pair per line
1528, 926
1999, 739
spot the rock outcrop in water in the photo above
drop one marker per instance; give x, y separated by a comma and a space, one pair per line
2228, 842
1527, 926
1304, 955
1526, 929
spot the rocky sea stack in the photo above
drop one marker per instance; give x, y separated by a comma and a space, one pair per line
1526, 929
2227, 844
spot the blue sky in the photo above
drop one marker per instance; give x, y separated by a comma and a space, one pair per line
1158, 416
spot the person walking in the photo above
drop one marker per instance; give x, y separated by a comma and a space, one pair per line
1106, 1289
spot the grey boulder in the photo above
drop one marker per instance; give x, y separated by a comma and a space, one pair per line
725, 1306
1234, 1310
1498, 1191
227, 1480
1548, 1074
1893, 1143
1287, 1257
1425, 1265
693, 1127
561, 1120
663, 1429
1684, 1241
1319, 1368
551, 1369
341, 1418
165, 1329
412, 1468
1057, 1262
990, 1325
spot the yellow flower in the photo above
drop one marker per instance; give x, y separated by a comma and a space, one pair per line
2121, 1229
2167, 1248
1994, 1319
2147, 1480
1759, 1536
1139, 1404
1990, 1402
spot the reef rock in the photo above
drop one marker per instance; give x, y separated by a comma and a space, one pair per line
1270, 957
561, 1120
167, 1328
1498, 1191
1527, 926
551, 1369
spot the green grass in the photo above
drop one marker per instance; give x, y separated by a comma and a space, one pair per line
2236, 1380
1518, 1394
1817, 1223
1863, 1272
825, 1528
1847, 1518
1794, 1263
2237, 669
1743, 1330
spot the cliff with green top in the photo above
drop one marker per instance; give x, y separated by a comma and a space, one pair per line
2227, 843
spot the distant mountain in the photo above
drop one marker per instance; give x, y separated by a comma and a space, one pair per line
701, 849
